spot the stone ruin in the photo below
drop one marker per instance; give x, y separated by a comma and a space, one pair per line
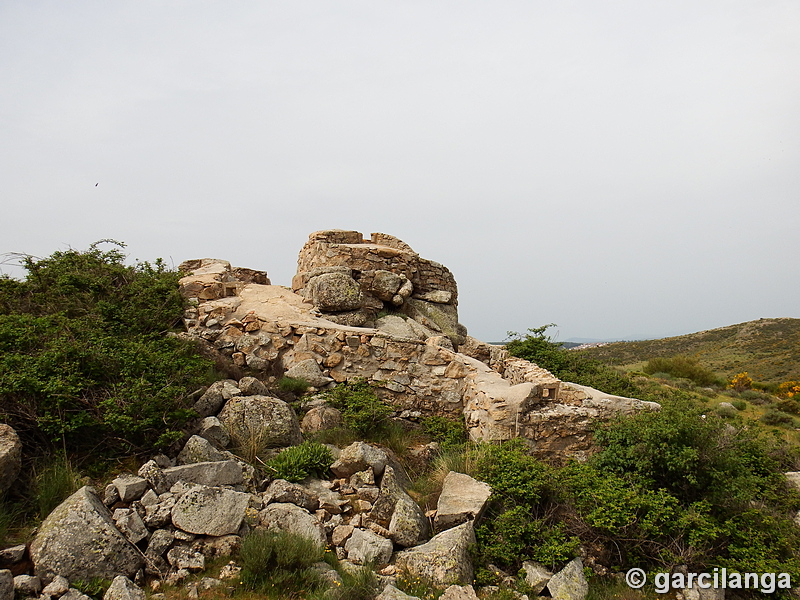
352, 281
358, 309
375, 309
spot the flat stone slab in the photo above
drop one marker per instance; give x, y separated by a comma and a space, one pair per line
223, 472
205, 510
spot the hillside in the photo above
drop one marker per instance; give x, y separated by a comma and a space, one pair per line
769, 349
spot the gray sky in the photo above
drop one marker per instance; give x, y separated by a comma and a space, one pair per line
620, 168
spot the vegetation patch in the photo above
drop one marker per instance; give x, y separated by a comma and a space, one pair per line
298, 462
84, 359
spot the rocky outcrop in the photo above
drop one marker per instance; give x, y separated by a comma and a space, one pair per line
79, 540
350, 279
444, 560
10, 456
327, 330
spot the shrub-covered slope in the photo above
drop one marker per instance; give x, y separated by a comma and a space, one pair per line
769, 349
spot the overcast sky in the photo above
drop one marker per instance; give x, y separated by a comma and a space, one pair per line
621, 168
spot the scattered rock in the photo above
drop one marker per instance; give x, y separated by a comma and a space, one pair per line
321, 418
444, 560
364, 546
340, 534
225, 472
357, 457
6, 585
569, 583
281, 490
536, 576
210, 510
160, 514
462, 499
160, 542
27, 585
123, 588
217, 394
459, 592
250, 386
56, 588
266, 421
78, 540
198, 449
131, 525
226, 545
308, 370
183, 557
408, 525
392, 593
74, 594
212, 430
155, 477
290, 517
10, 456
130, 487
11, 556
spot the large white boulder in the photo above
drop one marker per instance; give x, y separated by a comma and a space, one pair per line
262, 420
462, 499
282, 516
444, 560
78, 540
210, 510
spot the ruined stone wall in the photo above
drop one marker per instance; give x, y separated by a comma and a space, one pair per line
381, 252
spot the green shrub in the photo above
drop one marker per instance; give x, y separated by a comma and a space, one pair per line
516, 535
682, 367
756, 397
692, 455
515, 476
94, 588
296, 385
788, 405
447, 432
362, 410
84, 359
739, 404
279, 562
776, 418
359, 584
726, 412
298, 462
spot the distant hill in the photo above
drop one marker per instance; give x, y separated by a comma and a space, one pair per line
769, 349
